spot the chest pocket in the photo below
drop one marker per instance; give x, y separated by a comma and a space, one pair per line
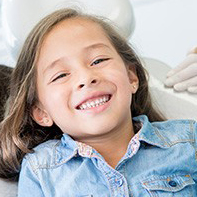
170, 186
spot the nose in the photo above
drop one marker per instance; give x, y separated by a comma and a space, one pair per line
87, 79
93, 81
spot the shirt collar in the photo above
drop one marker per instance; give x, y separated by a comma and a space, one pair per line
80, 148
68, 142
149, 134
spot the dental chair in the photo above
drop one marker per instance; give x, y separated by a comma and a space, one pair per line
174, 105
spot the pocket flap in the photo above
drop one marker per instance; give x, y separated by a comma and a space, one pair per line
172, 183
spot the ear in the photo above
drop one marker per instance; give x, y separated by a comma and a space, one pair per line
41, 116
133, 79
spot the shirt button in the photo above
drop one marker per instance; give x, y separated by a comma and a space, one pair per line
119, 182
172, 183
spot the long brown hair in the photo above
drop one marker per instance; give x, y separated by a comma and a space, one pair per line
5, 73
19, 134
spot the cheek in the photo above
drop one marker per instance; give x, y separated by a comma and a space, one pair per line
121, 79
53, 97
124, 87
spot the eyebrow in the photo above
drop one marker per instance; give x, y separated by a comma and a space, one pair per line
97, 45
90, 47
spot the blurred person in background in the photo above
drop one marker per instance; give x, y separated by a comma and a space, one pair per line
184, 76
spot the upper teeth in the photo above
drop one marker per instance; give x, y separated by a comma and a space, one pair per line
95, 103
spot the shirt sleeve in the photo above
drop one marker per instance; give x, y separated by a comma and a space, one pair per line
28, 184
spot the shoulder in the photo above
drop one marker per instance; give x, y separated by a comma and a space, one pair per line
43, 155
50, 154
47, 146
177, 130
170, 132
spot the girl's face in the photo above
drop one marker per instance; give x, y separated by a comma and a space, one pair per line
83, 84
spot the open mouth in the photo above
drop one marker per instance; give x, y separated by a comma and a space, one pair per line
94, 102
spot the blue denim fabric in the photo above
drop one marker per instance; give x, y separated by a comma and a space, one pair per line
164, 166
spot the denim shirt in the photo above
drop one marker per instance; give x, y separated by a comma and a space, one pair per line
162, 163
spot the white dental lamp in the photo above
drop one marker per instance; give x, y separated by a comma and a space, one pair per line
19, 17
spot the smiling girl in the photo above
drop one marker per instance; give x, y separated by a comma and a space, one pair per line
80, 121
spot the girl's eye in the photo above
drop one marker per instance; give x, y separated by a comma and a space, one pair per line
60, 76
99, 61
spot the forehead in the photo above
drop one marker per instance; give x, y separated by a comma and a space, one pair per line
71, 36
76, 28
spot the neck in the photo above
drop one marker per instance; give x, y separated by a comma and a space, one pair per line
113, 145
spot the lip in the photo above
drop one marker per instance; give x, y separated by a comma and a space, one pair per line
92, 96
